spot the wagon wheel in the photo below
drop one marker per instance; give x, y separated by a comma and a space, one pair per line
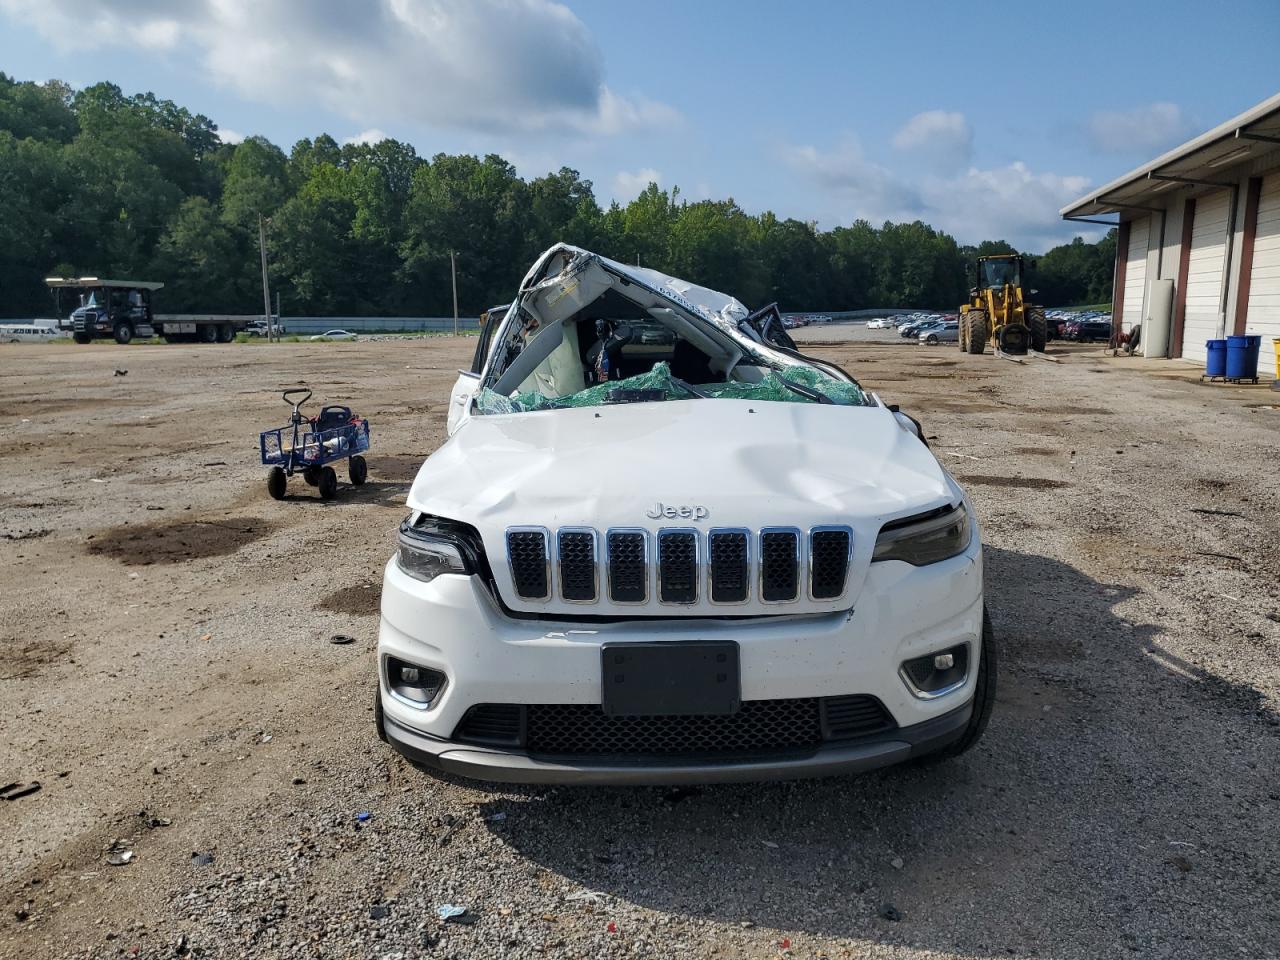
276, 483
358, 470
328, 483
312, 476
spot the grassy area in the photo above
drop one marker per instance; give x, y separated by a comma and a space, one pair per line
1088, 306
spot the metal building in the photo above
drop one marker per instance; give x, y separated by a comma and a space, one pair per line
1205, 219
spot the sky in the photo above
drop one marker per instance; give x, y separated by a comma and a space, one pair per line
980, 119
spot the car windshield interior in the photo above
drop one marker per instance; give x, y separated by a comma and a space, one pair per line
615, 349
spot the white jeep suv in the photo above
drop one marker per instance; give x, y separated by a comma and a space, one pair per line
658, 549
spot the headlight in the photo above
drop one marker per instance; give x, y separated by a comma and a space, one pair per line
426, 552
926, 539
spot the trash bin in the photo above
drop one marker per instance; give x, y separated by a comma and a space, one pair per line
1215, 363
1242, 357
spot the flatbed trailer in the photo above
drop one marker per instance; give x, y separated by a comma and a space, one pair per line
121, 309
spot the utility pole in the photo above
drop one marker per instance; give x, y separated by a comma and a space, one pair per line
266, 291
278, 323
453, 265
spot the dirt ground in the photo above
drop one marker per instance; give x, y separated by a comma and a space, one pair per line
167, 675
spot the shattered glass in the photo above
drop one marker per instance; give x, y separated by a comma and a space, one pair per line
659, 379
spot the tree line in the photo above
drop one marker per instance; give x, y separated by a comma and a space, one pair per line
97, 182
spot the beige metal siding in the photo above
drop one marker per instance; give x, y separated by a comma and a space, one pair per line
1264, 287
1204, 273
1135, 272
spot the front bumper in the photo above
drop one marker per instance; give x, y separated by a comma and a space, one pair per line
453, 626
504, 766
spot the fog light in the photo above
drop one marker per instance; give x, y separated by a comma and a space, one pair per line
411, 684
937, 674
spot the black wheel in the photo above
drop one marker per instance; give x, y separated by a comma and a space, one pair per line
984, 698
1039, 328
208, 333
328, 483
931, 339
962, 341
276, 482
312, 476
358, 470
123, 332
378, 722
978, 332
226, 333
81, 337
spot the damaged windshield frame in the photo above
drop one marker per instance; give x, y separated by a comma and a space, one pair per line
590, 323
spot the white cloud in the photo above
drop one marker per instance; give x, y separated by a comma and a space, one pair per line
369, 137
227, 135
475, 65
1012, 202
871, 190
627, 186
943, 135
1141, 130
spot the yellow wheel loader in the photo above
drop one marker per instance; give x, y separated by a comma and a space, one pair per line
997, 311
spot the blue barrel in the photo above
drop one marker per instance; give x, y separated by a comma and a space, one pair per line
1242, 357
1215, 364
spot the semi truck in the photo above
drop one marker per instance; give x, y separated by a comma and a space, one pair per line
122, 309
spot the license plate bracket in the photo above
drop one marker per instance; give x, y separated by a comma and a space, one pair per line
674, 678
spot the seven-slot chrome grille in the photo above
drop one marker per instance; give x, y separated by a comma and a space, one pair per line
680, 566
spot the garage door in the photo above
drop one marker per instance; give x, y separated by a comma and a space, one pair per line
1204, 273
1135, 272
1264, 287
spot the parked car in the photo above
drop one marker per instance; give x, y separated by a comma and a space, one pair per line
334, 335
28, 333
946, 332
683, 610
258, 328
1087, 330
877, 324
910, 329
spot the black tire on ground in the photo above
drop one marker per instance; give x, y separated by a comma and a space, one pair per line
123, 332
226, 333
378, 722
208, 333
1039, 328
276, 483
931, 339
81, 337
978, 332
357, 470
312, 476
984, 698
962, 341
328, 483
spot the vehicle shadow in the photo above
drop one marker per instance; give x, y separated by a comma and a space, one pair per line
1089, 821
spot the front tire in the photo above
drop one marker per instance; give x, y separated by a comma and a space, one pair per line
978, 332
1039, 328
931, 340
358, 470
81, 338
328, 483
276, 483
123, 332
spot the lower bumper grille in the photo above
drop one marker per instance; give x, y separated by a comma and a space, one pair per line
760, 727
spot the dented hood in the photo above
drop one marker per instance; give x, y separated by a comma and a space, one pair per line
715, 463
